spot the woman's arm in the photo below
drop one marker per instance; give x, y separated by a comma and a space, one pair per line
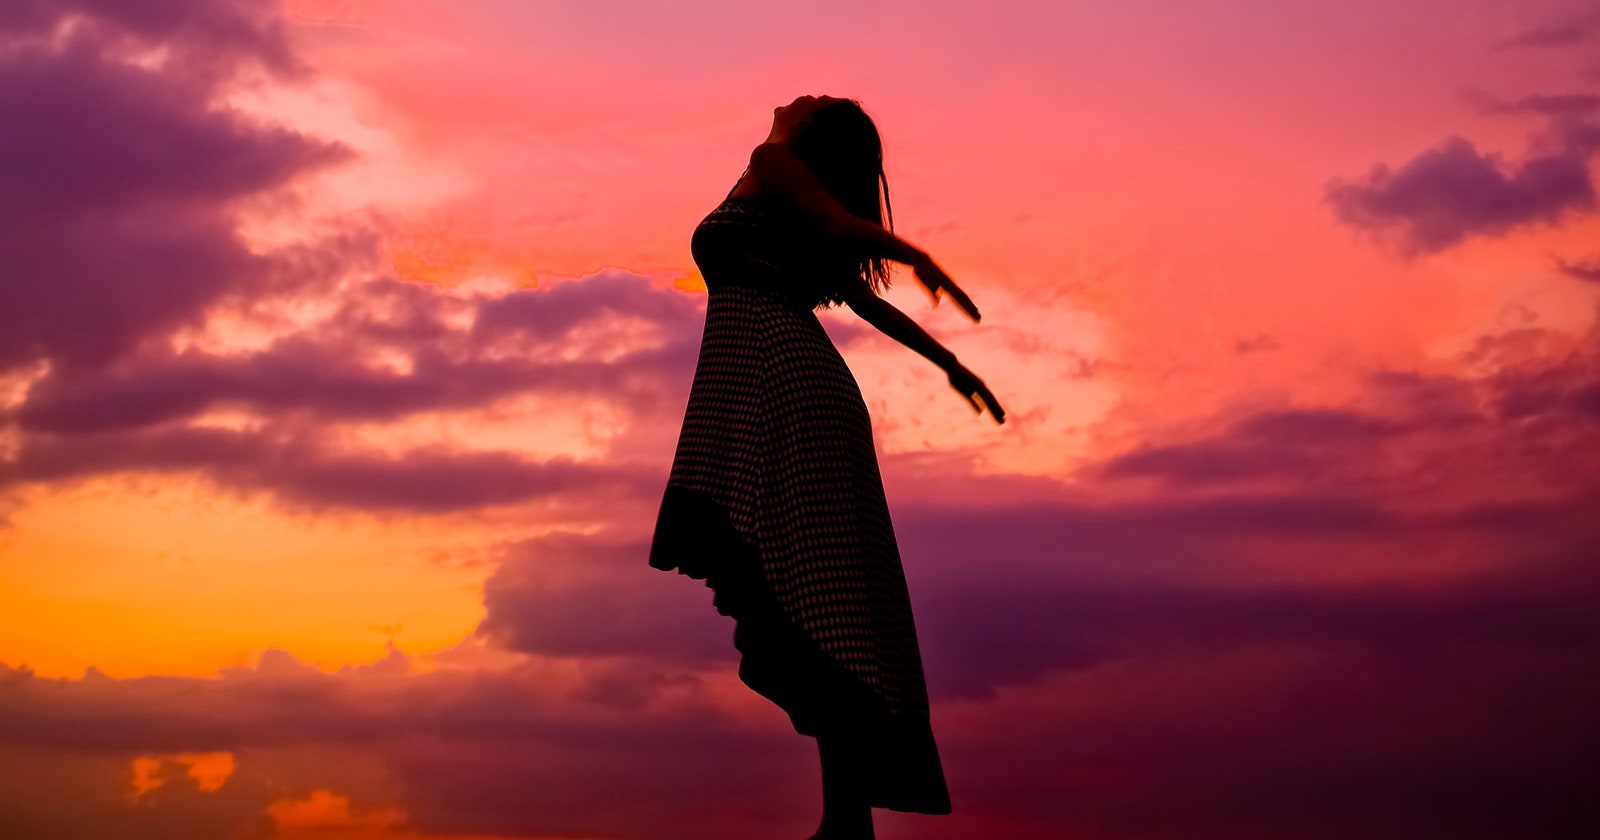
777, 170
894, 324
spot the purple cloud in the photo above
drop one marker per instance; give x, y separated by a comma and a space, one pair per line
509, 349
643, 615
301, 472
1276, 443
120, 180
1574, 104
528, 750
201, 34
1110, 648
981, 635
1451, 192
1569, 33
552, 314
139, 413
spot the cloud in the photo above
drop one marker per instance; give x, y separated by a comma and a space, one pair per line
302, 472
1570, 33
225, 31
1371, 711
981, 636
543, 749
1576, 104
570, 595
1587, 270
1453, 191
1213, 660
123, 179
1266, 444
514, 344
610, 337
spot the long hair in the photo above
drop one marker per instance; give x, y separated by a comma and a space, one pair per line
842, 148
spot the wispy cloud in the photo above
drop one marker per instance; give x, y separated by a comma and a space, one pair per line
1574, 32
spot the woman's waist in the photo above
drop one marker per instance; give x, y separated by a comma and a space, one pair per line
805, 291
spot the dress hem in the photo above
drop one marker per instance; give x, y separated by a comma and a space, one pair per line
694, 538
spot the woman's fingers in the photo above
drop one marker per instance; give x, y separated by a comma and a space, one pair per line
934, 280
962, 300
977, 394
979, 397
995, 411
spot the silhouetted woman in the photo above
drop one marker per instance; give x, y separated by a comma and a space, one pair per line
775, 498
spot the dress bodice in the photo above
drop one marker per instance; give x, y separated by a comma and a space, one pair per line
763, 243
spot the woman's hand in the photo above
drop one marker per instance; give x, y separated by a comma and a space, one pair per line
933, 278
970, 386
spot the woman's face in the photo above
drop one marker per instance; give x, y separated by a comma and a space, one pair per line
788, 118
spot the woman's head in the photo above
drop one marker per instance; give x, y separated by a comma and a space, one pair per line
840, 145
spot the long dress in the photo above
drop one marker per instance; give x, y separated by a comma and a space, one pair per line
776, 502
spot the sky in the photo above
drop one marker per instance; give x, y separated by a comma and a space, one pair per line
344, 345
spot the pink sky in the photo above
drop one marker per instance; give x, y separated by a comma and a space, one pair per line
345, 345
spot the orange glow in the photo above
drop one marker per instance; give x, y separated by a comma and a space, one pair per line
174, 578
210, 771
327, 814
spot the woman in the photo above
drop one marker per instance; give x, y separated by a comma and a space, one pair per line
775, 498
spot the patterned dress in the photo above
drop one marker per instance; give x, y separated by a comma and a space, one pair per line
775, 501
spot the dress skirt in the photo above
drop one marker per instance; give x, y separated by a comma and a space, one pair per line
776, 502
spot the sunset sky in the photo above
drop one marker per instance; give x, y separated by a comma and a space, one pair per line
344, 344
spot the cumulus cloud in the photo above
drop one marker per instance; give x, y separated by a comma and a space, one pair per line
226, 31
571, 595
123, 177
124, 180
510, 344
1453, 191
611, 337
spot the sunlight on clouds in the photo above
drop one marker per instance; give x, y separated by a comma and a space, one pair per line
385, 180
323, 813
231, 420
331, 12
14, 383
14, 386
1039, 357
225, 332
208, 770
1515, 283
